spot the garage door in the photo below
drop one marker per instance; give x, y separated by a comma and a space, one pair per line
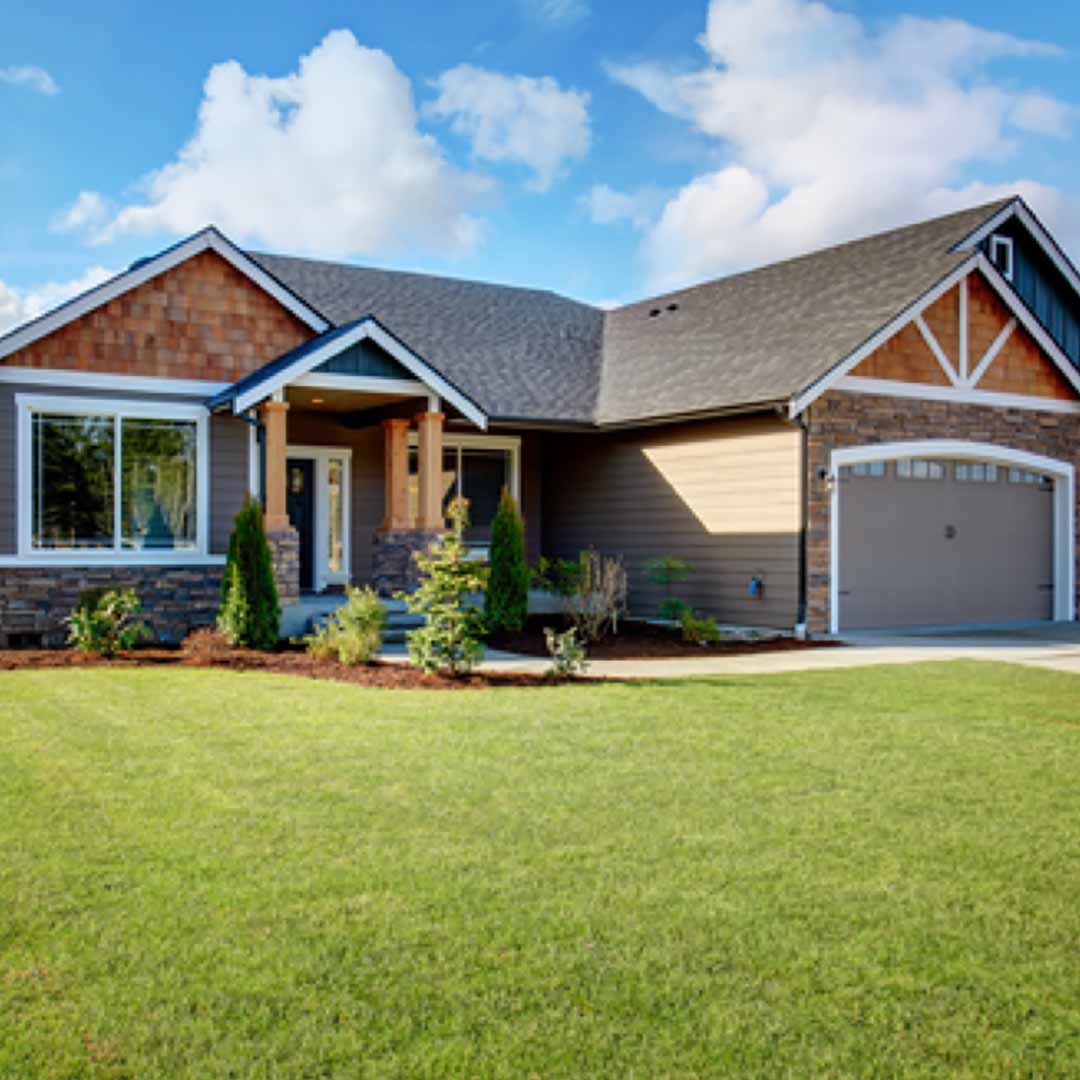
926, 542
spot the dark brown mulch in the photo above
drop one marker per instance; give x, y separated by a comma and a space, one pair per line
639, 640
284, 662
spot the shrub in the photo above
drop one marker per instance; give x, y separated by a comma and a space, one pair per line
109, 625
450, 638
353, 633
558, 576
207, 645
249, 613
700, 631
600, 596
668, 571
506, 602
567, 653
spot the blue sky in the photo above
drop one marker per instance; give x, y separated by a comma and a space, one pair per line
602, 149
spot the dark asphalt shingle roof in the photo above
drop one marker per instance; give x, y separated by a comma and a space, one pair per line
761, 336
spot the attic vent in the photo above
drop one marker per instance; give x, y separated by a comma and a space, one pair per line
655, 311
139, 262
673, 307
1001, 255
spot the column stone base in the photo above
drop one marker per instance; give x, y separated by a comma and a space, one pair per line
393, 566
285, 555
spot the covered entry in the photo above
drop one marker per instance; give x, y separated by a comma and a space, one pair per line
949, 533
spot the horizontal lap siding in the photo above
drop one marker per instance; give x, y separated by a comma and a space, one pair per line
229, 439
8, 539
724, 496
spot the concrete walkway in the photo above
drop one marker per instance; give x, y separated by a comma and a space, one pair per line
1055, 646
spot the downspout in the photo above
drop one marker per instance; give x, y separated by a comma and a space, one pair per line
804, 527
260, 441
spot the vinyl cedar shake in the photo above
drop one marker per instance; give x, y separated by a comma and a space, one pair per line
724, 495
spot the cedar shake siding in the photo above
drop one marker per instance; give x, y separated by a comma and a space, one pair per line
724, 495
202, 319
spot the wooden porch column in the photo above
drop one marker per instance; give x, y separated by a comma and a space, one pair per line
430, 427
274, 414
396, 473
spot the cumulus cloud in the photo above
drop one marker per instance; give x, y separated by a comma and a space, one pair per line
30, 76
515, 118
557, 13
831, 128
606, 206
19, 305
328, 160
88, 211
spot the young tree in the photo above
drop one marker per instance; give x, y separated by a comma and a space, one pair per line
506, 602
250, 613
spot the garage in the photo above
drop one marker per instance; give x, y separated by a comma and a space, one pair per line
935, 540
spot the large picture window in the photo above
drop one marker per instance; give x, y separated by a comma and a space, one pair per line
103, 477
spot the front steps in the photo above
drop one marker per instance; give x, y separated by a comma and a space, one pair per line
302, 618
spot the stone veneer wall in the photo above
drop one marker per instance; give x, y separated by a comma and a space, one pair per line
285, 555
393, 565
175, 599
838, 419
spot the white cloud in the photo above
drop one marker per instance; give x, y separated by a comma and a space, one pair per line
19, 305
606, 206
557, 13
88, 211
29, 75
327, 160
832, 128
533, 122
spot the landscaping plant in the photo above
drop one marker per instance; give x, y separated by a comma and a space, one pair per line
558, 576
451, 637
666, 572
104, 623
699, 630
600, 597
249, 613
506, 601
353, 633
567, 653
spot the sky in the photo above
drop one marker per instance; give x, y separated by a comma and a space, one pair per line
606, 149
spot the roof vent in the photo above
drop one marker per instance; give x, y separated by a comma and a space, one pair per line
139, 262
673, 307
655, 311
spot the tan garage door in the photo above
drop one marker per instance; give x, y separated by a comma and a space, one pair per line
928, 542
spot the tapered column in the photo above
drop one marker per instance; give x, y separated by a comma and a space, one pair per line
430, 427
396, 482
274, 414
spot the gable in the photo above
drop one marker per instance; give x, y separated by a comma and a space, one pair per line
986, 352
200, 319
364, 358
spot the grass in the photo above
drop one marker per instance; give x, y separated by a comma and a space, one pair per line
869, 873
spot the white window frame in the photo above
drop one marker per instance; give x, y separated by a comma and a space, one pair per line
119, 409
321, 455
1005, 243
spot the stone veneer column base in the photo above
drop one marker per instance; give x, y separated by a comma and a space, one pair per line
393, 565
285, 555
34, 601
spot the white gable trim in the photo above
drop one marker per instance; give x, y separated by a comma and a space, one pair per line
849, 363
365, 329
1063, 472
206, 240
958, 395
100, 380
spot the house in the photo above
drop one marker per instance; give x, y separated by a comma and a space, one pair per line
882, 433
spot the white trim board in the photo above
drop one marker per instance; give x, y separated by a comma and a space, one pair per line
1063, 472
374, 384
468, 441
208, 239
370, 329
64, 379
959, 395
117, 408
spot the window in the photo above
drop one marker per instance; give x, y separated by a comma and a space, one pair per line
976, 472
1001, 255
920, 469
335, 507
868, 468
476, 467
109, 477
1023, 476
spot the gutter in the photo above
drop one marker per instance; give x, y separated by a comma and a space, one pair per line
779, 405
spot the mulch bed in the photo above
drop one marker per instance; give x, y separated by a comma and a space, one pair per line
639, 640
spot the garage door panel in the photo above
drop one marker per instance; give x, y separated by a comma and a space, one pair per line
924, 552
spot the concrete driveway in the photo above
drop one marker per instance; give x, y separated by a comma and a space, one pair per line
1048, 645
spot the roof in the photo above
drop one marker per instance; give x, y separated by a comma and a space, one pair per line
756, 337
518, 353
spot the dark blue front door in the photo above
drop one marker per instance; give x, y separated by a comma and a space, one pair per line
300, 503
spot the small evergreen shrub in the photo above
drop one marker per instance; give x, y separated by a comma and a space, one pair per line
506, 601
249, 613
109, 625
353, 633
700, 631
451, 637
558, 576
668, 571
567, 653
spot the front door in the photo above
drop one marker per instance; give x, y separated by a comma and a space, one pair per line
300, 503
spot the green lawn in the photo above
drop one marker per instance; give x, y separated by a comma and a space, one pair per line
869, 873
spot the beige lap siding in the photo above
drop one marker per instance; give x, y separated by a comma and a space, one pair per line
838, 419
724, 495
